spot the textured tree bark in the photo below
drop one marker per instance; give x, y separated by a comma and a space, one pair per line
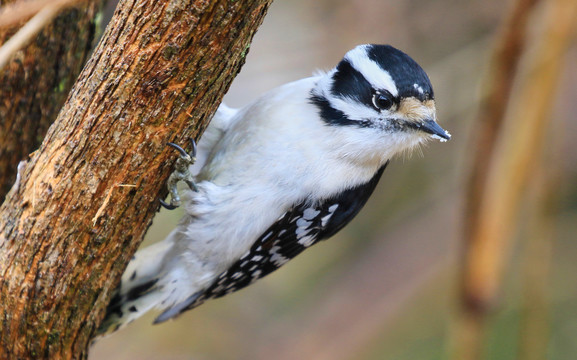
34, 85
89, 193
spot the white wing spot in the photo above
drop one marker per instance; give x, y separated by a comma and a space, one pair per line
307, 241
257, 258
325, 220
301, 232
269, 234
333, 208
302, 223
310, 213
256, 274
277, 258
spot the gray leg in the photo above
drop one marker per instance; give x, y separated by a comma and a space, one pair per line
181, 173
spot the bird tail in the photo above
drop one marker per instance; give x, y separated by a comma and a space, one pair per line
138, 291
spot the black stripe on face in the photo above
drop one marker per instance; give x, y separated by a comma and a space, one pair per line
332, 116
404, 71
349, 83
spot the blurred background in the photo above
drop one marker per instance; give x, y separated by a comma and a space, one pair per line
389, 286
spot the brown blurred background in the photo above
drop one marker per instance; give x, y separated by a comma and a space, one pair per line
386, 287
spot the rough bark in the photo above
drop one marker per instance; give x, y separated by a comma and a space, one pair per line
34, 85
89, 193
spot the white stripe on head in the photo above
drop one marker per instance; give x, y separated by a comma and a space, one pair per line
372, 72
353, 110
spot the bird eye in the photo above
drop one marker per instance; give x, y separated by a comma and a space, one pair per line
383, 101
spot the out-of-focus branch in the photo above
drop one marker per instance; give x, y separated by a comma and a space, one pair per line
36, 80
495, 96
19, 40
496, 91
511, 161
13, 14
521, 143
537, 262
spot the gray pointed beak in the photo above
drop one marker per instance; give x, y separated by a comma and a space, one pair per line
437, 132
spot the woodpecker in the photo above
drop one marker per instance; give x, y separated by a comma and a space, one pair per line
273, 178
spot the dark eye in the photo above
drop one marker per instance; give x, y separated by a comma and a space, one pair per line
383, 101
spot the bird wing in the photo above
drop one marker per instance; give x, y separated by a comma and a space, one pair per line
296, 230
218, 125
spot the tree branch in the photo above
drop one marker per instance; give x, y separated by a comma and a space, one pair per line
68, 231
36, 81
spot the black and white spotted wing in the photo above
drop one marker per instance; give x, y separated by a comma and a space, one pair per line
298, 229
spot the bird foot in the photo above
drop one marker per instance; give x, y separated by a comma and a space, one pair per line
181, 173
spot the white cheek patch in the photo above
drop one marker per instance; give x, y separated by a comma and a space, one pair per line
353, 110
371, 71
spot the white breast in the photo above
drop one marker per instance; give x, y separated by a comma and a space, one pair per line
277, 152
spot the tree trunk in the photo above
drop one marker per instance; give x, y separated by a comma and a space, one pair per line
34, 85
88, 195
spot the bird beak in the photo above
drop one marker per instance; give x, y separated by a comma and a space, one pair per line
420, 116
431, 127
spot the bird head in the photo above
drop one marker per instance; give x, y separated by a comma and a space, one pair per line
381, 89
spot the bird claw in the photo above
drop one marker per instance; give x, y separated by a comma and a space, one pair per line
183, 153
166, 205
180, 173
